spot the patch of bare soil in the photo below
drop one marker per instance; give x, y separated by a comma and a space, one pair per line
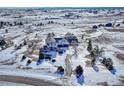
6, 61
88, 56
103, 39
103, 83
120, 47
120, 56
27, 68
10, 63
115, 30
121, 81
88, 63
122, 77
118, 85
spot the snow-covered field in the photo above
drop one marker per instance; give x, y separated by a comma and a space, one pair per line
80, 23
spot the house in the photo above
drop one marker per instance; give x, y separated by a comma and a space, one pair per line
58, 39
54, 45
71, 38
63, 43
94, 27
108, 25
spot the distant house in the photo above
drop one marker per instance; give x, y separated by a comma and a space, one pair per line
101, 25
71, 38
69, 15
108, 25
94, 27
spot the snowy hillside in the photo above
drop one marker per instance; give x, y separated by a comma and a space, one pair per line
24, 33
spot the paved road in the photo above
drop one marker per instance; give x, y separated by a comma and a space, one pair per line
26, 80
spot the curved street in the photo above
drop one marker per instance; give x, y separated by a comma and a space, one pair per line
26, 80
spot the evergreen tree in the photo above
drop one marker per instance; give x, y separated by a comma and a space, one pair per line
23, 58
60, 68
79, 71
89, 48
41, 55
25, 43
6, 30
28, 62
93, 61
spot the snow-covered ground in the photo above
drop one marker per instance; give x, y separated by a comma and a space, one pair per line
105, 37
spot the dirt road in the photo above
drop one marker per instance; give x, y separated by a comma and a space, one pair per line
26, 80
